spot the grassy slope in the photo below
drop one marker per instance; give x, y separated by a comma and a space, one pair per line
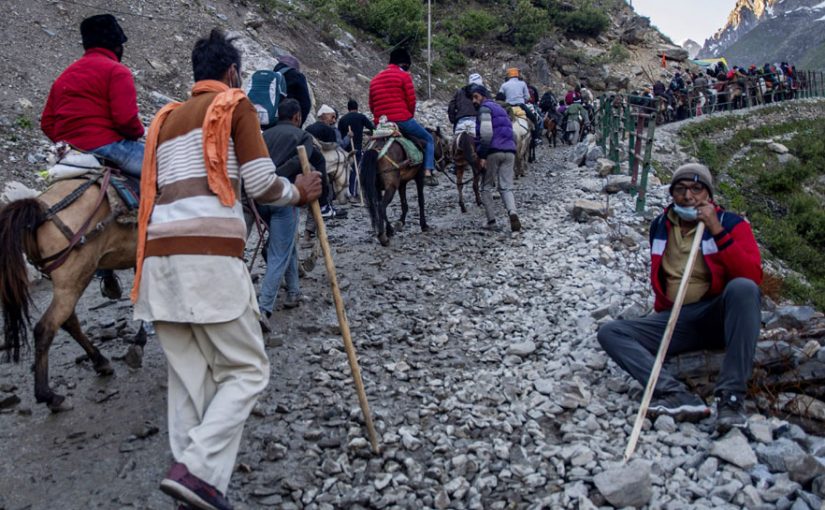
784, 202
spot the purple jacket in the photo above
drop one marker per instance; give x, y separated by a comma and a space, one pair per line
494, 131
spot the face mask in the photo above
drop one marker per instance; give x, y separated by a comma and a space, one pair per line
686, 213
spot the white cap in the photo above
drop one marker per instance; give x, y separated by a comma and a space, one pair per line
476, 79
325, 109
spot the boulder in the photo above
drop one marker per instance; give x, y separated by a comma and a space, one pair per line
584, 209
579, 154
777, 148
778, 454
626, 485
594, 152
791, 317
676, 54
734, 448
617, 183
604, 167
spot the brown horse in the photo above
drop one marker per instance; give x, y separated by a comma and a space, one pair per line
464, 157
26, 228
551, 129
390, 173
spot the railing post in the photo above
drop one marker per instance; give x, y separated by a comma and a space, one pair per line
614, 140
640, 199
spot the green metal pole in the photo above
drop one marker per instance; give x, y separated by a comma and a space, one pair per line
640, 199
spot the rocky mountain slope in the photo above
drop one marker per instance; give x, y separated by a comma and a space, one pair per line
692, 47
759, 31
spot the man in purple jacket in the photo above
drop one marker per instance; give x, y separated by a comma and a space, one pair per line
497, 155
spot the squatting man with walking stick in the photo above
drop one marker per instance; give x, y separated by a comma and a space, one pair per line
190, 276
721, 307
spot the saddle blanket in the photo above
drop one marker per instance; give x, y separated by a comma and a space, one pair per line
390, 130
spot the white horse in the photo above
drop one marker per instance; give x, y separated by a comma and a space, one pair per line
338, 164
522, 135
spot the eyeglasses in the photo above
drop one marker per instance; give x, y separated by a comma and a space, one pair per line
695, 189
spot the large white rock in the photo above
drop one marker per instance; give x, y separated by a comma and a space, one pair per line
626, 485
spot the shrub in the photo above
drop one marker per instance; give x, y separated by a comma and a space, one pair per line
475, 24
450, 57
526, 26
587, 21
394, 21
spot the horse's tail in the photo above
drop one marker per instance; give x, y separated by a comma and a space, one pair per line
19, 221
369, 181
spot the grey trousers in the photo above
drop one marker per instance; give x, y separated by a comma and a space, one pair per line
729, 321
498, 170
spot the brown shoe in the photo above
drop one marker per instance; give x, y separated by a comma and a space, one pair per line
515, 224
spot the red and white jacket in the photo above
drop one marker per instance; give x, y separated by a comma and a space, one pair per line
92, 103
731, 254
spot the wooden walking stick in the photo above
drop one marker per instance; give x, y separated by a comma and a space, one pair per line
660, 356
339, 308
357, 170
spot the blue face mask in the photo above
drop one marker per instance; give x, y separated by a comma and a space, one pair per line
686, 213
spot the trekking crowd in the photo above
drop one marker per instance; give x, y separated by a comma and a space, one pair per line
201, 154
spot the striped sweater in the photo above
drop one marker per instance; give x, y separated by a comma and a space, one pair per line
193, 271
188, 218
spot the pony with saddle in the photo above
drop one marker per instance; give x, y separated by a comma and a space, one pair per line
464, 157
338, 164
523, 134
85, 221
389, 162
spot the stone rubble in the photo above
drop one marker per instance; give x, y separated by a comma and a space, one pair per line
486, 383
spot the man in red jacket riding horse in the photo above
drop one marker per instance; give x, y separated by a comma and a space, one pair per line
392, 94
721, 304
93, 107
93, 104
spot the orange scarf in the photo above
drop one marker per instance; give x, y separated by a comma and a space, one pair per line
217, 128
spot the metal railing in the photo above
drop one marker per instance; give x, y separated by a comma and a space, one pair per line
633, 118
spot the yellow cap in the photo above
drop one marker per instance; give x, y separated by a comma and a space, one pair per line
512, 72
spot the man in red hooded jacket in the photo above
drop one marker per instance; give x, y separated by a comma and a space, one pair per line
93, 104
722, 302
392, 94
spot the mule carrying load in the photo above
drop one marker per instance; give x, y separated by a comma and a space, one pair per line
84, 221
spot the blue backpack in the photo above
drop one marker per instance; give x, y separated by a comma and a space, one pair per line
265, 92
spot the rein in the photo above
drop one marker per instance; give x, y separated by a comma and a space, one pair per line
83, 235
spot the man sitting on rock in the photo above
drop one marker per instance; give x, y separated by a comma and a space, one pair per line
721, 308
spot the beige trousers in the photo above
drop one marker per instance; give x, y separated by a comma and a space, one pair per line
216, 372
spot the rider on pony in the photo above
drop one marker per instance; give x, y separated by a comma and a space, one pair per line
516, 93
92, 106
392, 95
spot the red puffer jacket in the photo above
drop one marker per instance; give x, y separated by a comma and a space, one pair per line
92, 103
392, 94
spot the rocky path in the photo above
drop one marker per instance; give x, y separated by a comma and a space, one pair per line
480, 361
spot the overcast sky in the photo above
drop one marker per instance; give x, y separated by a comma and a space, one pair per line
694, 19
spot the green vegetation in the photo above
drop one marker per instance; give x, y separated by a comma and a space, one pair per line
781, 200
460, 28
23, 122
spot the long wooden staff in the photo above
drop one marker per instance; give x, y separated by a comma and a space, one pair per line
660, 357
339, 308
357, 170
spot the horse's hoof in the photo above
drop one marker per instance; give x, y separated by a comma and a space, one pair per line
59, 404
398, 226
104, 368
384, 240
425, 228
463, 209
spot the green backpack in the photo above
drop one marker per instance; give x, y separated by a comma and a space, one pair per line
266, 90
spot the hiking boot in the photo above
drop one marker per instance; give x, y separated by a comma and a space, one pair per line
266, 326
292, 301
730, 409
188, 488
515, 224
339, 213
491, 225
430, 180
682, 406
109, 284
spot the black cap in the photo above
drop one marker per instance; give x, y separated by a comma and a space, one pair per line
479, 89
102, 31
400, 56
